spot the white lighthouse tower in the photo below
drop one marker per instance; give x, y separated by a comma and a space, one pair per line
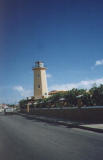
40, 81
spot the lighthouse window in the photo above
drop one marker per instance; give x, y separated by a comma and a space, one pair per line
39, 86
38, 75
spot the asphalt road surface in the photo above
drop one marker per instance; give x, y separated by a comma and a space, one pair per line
28, 139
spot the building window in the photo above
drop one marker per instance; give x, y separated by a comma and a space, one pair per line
39, 86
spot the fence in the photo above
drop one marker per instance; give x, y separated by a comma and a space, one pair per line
73, 113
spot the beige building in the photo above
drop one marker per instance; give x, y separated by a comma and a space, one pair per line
40, 81
55, 92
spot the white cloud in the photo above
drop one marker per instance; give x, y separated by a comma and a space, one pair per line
49, 75
23, 92
18, 88
99, 62
82, 84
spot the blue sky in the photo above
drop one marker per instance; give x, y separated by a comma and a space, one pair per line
66, 34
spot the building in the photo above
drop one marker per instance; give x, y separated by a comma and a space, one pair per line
56, 92
2, 107
40, 81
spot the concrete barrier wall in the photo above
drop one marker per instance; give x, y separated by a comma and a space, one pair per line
91, 114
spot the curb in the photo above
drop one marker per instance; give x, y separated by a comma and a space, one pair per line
70, 125
50, 120
98, 130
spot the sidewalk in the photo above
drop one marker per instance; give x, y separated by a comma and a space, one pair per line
71, 124
93, 127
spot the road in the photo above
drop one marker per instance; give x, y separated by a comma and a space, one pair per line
28, 139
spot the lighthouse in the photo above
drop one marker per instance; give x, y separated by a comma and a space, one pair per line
40, 80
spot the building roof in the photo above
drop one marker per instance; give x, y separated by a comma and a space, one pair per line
79, 96
61, 99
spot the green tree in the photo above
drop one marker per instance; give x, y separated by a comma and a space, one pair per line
97, 95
